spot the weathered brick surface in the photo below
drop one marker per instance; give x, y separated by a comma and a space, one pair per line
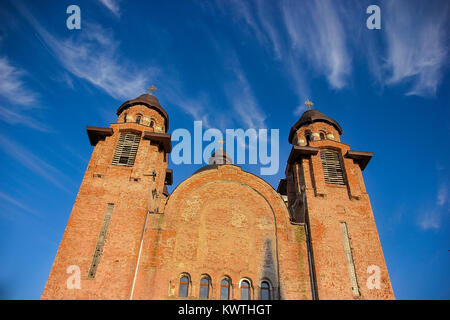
221, 222
327, 206
104, 183
224, 223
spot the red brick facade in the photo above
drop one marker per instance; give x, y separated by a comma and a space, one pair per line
221, 223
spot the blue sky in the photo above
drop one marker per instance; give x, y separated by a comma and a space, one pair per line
231, 64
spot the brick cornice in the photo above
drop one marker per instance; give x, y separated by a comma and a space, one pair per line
96, 134
301, 152
163, 139
360, 157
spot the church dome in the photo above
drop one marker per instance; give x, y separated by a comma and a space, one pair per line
220, 157
149, 101
309, 117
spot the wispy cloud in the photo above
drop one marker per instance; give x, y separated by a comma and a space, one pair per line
312, 32
266, 17
430, 220
317, 32
12, 85
442, 195
323, 36
244, 103
93, 55
12, 117
433, 219
243, 14
247, 111
19, 204
112, 5
18, 100
195, 107
35, 164
416, 45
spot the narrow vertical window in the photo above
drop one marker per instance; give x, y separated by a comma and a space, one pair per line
322, 136
184, 286
101, 241
245, 290
138, 118
308, 137
225, 289
265, 290
126, 149
204, 288
349, 256
125, 118
152, 123
332, 167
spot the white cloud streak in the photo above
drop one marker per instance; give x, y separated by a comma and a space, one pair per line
18, 204
312, 32
35, 164
112, 5
416, 45
93, 55
433, 219
442, 195
323, 35
430, 220
12, 117
12, 86
316, 32
244, 103
193, 107
18, 100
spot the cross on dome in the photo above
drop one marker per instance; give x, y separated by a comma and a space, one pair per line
152, 89
309, 104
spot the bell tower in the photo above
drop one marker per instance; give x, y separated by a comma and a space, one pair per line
325, 191
125, 181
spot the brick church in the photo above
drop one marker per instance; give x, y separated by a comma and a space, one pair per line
223, 233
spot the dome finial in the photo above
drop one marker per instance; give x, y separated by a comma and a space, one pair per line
309, 104
152, 89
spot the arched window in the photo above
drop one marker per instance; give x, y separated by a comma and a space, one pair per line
245, 290
308, 137
152, 123
225, 289
138, 118
125, 118
184, 286
265, 290
204, 287
322, 136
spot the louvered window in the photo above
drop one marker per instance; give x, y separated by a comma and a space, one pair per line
332, 167
126, 149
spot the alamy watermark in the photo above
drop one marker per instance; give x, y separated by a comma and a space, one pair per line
374, 20
74, 20
374, 280
189, 149
74, 280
